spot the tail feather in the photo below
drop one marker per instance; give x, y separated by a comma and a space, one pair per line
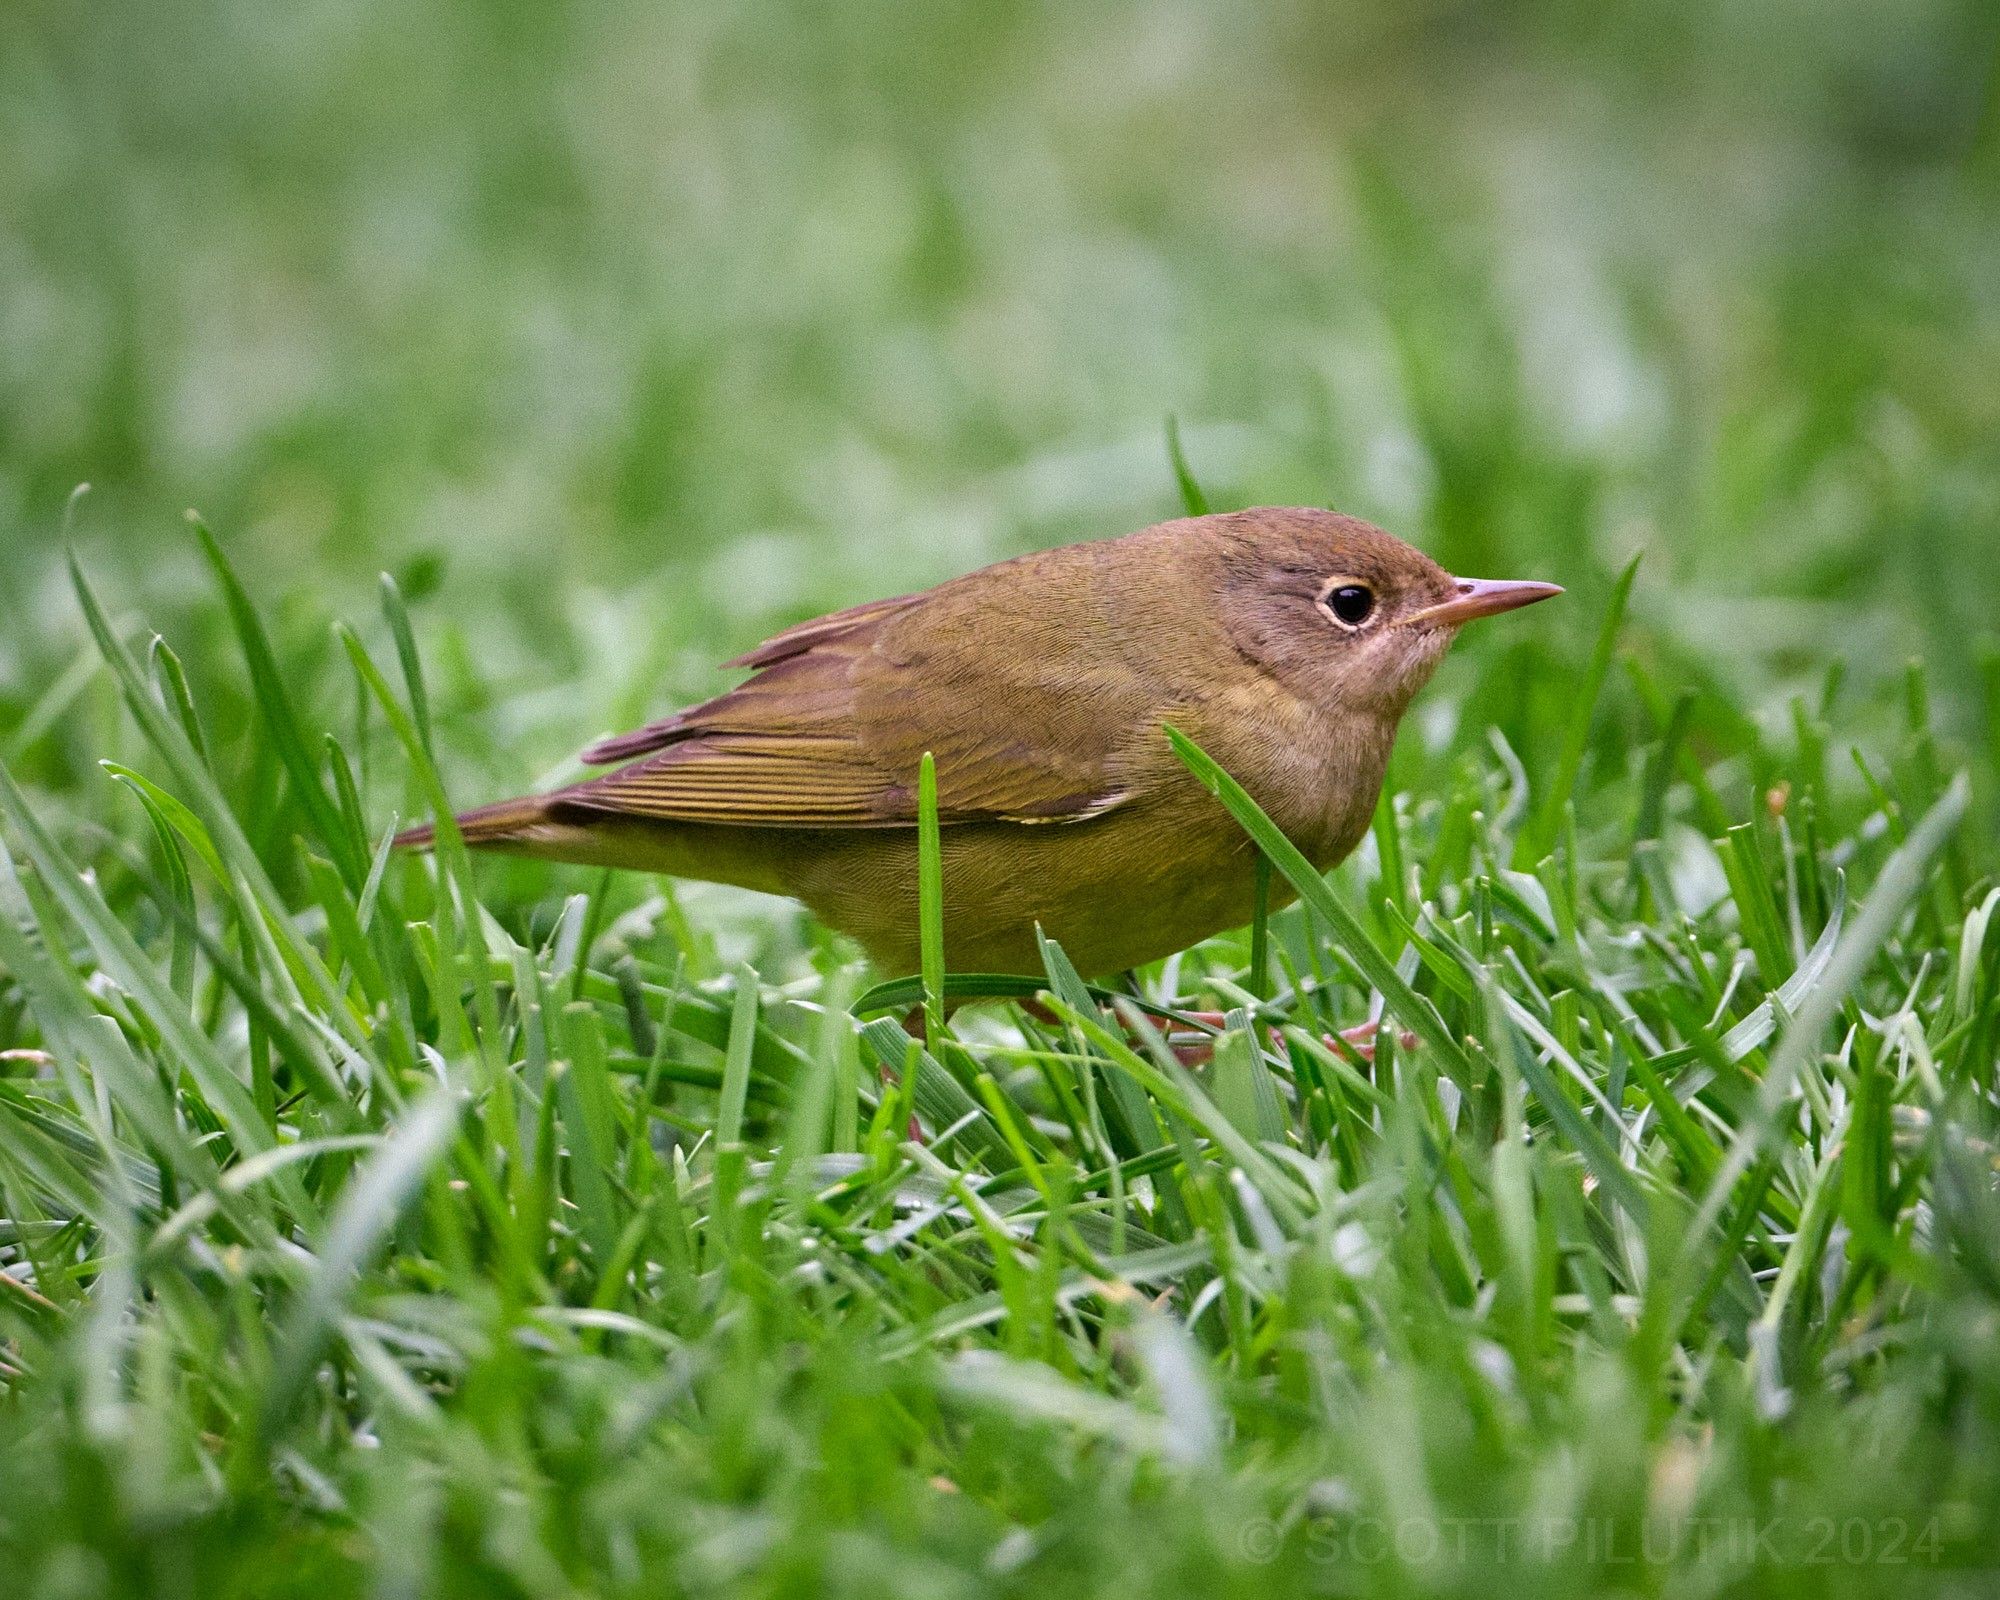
504, 822
552, 827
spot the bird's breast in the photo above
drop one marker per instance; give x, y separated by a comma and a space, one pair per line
1316, 773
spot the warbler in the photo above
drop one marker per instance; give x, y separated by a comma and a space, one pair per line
1286, 642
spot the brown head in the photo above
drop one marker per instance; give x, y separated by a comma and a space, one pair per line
1340, 612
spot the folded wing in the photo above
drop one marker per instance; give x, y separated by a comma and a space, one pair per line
832, 726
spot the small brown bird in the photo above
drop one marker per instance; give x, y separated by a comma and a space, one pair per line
1285, 642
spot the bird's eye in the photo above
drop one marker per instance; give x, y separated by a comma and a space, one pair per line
1351, 603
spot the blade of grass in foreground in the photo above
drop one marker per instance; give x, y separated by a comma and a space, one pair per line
369, 1205
136, 974
1260, 932
275, 704
1900, 883
455, 864
1412, 1009
177, 740
930, 897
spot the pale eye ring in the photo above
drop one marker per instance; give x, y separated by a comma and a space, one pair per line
1348, 602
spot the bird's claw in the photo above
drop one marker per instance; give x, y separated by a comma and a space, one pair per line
1198, 1050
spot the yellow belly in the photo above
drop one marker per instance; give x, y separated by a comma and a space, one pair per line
1116, 891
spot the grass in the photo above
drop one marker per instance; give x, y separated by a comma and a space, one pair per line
387, 1226
358, 1236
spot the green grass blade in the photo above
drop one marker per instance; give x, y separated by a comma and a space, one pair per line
930, 897
1899, 886
736, 1063
134, 972
356, 1230
398, 617
280, 720
1411, 1009
1191, 496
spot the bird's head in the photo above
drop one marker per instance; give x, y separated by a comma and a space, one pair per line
1342, 613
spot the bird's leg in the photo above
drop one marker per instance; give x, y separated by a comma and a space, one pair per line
1031, 1007
1196, 1050
917, 1026
1361, 1037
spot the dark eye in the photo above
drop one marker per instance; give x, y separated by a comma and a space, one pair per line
1352, 603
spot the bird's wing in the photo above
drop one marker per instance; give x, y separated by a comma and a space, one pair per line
830, 730
794, 641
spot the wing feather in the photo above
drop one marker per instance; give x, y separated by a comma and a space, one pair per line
789, 645
829, 731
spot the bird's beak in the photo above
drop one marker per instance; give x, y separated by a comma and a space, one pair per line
1484, 597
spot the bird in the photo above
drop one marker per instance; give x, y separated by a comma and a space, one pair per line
1287, 642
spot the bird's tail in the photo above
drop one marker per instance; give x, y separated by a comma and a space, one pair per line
504, 823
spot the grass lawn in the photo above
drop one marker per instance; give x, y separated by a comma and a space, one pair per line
391, 1226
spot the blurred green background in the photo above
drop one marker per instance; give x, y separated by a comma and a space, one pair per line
626, 332
623, 334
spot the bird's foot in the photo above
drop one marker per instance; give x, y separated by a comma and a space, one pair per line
1198, 1049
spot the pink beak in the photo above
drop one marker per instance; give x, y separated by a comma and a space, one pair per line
1484, 597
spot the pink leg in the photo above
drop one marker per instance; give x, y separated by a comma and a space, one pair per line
917, 1028
1195, 1052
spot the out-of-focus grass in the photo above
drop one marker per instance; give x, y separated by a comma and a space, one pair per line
357, 1237
617, 307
